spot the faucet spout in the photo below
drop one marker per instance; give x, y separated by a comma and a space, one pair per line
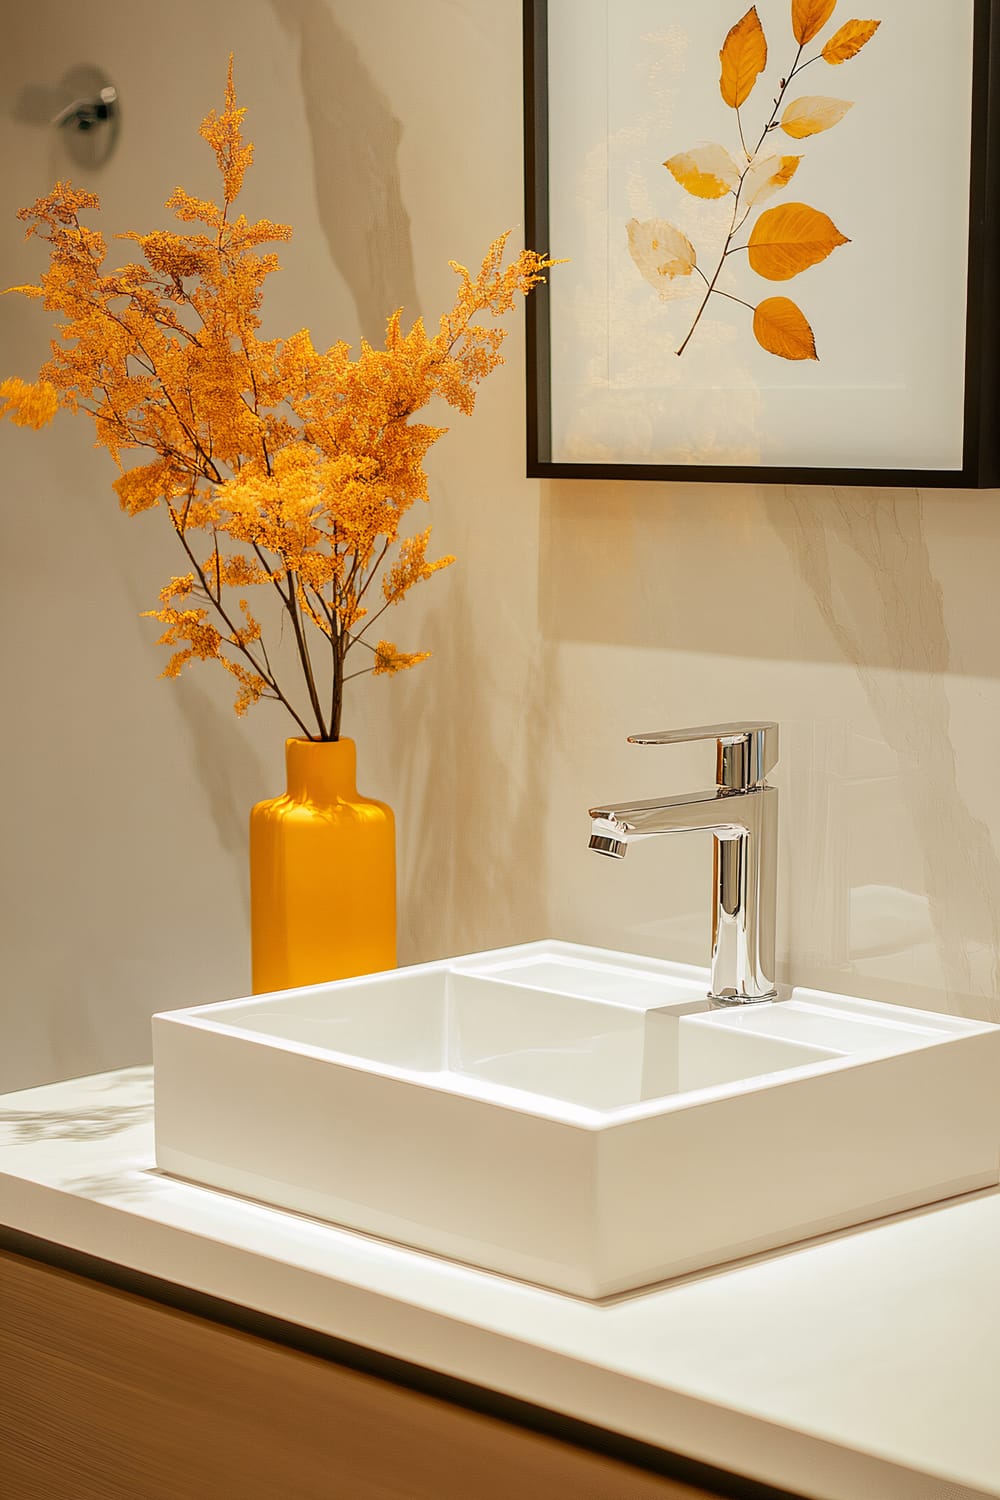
743, 820
716, 809
604, 839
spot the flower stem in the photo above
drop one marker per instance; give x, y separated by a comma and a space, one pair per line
232, 627
734, 227
303, 650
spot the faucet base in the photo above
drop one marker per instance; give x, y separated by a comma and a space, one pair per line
727, 1001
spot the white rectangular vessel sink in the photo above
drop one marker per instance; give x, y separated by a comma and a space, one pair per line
576, 1117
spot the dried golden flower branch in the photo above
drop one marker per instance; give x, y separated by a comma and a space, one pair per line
279, 467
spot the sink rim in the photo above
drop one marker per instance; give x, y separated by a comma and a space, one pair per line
590, 1201
920, 1028
524, 1101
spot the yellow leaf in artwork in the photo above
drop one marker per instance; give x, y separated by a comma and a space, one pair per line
743, 58
809, 17
813, 113
706, 172
660, 251
790, 239
766, 176
781, 328
849, 40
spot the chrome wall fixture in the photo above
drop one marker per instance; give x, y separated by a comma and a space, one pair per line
84, 114
84, 107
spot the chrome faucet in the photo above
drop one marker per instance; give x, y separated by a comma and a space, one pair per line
741, 811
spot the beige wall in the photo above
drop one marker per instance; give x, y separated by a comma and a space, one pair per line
389, 134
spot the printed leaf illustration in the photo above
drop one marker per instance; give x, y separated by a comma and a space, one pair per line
660, 251
849, 40
781, 328
743, 58
707, 171
813, 113
764, 178
790, 239
784, 241
809, 17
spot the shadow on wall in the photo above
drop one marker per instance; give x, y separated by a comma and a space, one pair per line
865, 559
230, 773
355, 143
798, 575
662, 565
471, 843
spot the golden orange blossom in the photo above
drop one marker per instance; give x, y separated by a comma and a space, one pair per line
279, 466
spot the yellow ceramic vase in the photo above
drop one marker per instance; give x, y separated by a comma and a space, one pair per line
322, 874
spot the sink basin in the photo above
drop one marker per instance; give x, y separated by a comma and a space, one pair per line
576, 1117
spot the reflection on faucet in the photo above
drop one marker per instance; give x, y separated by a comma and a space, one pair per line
741, 812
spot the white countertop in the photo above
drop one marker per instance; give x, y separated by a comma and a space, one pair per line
863, 1366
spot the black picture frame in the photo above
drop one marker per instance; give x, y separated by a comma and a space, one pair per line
981, 441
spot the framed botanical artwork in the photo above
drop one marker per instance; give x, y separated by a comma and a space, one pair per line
781, 229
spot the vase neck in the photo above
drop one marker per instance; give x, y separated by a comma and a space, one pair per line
321, 770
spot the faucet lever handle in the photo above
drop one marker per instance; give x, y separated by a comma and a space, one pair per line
744, 752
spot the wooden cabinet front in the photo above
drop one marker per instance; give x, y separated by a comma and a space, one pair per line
108, 1396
